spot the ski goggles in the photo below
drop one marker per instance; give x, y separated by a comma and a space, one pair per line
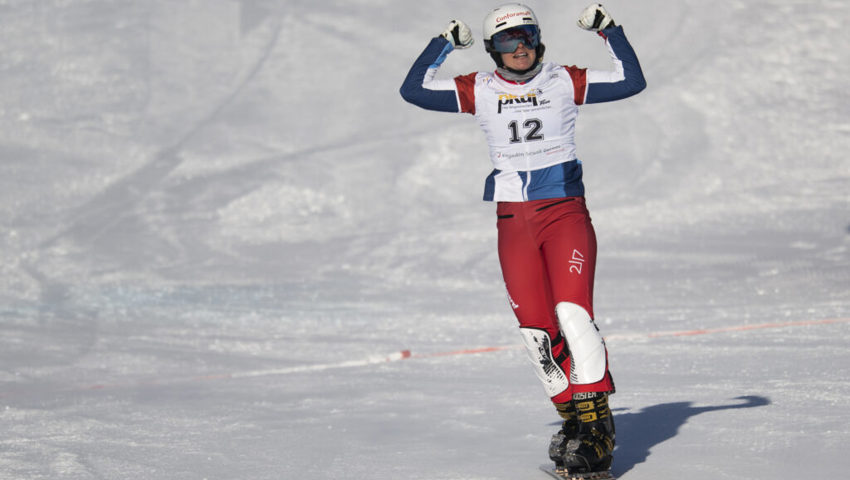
506, 41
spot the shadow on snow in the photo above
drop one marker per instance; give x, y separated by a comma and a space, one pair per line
638, 432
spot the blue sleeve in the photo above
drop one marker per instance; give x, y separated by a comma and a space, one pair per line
413, 90
632, 81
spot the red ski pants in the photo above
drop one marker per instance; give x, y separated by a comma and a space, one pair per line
547, 251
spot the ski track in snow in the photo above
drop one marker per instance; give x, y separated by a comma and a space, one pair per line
228, 249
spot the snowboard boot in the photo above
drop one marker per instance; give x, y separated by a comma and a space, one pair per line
568, 432
592, 448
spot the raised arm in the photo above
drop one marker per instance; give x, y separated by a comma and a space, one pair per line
627, 77
420, 86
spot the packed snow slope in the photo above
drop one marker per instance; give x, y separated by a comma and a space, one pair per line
220, 226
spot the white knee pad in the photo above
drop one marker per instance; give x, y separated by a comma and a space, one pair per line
539, 348
587, 348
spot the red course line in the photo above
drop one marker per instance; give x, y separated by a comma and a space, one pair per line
468, 351
684, 333
742, 328
406, 354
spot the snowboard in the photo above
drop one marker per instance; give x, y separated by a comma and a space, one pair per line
550, 470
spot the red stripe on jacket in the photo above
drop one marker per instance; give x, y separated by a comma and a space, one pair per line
579, 76
466, 92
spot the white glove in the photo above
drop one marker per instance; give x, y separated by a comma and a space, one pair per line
595, 18
458, 34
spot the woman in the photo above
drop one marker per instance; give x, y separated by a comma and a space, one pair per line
527, 109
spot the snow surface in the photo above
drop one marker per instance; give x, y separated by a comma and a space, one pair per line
220, 226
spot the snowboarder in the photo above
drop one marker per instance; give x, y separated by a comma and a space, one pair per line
527, 109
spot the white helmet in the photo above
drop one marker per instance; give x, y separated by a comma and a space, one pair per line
508, 16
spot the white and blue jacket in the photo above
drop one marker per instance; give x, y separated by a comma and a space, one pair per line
530, 126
